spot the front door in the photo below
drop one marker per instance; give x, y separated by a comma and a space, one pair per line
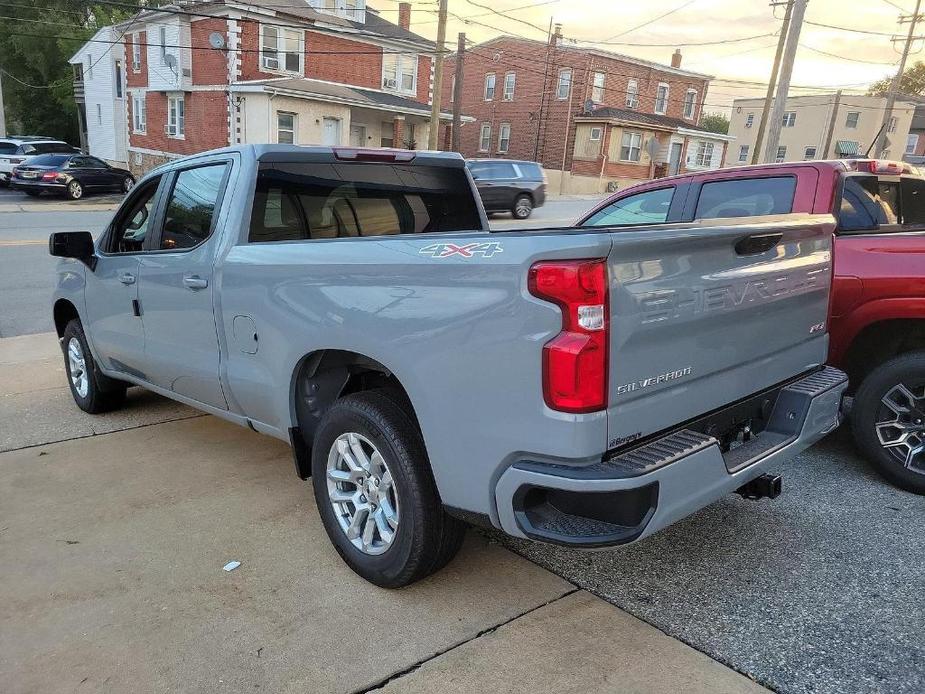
111, 293
330, 134
176, 284
357, 135
674, 159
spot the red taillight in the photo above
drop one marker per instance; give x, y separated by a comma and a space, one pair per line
50, 176
575, 361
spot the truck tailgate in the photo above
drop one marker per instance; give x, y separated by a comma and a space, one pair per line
703, 315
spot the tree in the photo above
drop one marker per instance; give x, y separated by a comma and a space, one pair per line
37, 79
715, 123
911, 83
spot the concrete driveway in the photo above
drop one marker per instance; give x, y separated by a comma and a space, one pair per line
114, 531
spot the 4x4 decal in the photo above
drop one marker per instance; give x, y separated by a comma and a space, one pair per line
445, 250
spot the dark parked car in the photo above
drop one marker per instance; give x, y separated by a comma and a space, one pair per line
71, 175
511, 186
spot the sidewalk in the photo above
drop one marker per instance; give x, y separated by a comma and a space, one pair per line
114, 531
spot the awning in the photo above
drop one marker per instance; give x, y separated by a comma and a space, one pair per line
846, 148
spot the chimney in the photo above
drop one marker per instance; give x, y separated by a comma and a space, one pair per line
404, 15
676, 58
556, 36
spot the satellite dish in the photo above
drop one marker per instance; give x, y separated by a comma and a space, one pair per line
171, 61
216, 40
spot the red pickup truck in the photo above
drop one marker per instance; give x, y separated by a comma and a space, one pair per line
877, 312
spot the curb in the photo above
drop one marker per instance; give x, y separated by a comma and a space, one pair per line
62, 207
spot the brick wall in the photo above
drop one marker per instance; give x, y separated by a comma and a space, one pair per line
209, 66
250, 58
363, 69
206, 123
132, 78
424, 67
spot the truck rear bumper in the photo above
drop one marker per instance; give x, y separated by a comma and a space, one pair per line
634, 494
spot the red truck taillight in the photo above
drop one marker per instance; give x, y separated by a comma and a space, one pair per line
575, 360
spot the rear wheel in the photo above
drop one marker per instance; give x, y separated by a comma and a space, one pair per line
888, 420
92, 390
523, 207
127, 184
74, 190
375, 493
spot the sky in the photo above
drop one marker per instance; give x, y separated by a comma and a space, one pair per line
857, 58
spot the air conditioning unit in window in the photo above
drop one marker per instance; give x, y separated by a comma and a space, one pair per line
388, 83
632, 103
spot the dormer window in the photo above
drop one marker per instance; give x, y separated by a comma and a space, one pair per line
400, 73
280, 49
354, 10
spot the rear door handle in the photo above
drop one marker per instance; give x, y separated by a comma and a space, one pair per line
757, 244
127, 278
195, 282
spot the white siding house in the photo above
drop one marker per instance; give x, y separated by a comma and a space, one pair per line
169, 66
103, 103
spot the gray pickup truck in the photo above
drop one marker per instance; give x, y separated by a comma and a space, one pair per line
585, 387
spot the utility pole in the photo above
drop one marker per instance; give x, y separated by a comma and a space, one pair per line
769, 97
897, 80
2, 110
458, 90
783, 84
831, 130
438, 77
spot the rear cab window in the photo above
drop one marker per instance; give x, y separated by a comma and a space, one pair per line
646, 207
746, 197
880, 204
302, 201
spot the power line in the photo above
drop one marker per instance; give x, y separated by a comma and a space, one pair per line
650, 21
501, 13
485, 14
842, 57
688, 44
849, 29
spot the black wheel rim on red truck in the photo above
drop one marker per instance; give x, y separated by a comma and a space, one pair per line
901, 425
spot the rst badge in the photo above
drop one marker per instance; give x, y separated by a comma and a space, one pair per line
469, 250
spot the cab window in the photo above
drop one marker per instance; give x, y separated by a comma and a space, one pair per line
746, 197
912, 191
190, 213
866, 204
134, 220
648, 207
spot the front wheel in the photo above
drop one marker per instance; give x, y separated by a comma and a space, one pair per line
74, 190
375, 492
93, 391
127, 184
888, 420
523, 207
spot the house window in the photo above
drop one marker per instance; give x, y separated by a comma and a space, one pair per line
749, 120
596, 134
790, 119
387, 139
280, 49
690, 99
136, 52
851, 120
743, 153
90, 65
912, 141
485, 137
163, 42
489, 86
117, 78
809, 153
400, 73
661, 98
509, 80
139, 113
781, 154
564, 86
597, 87
504, 138
704, 155
285, 128
99, 114
176, 126
630, 146
632, 94
891, 128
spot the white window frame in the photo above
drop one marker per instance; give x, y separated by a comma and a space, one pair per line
99, 114
661, 99
491, 82
485, 137
294, 130
269, 55
598, 80
789, 119
403, 61
504, 138
806, 155
139, 113
175, 128
634, 137
564, 81
912, 141
89, 69
704, 155
690, 104
510, 81
632, 94
136, 53
743, 153
749, 120
857, 119
781, 154
600, 133
162, 39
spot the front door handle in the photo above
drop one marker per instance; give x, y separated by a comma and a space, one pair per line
195, 282
127, 278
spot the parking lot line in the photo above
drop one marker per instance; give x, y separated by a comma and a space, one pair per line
24, 242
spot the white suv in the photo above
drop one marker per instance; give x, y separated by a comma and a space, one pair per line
16, 150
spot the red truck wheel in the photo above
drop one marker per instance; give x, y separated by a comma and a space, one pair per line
888, 420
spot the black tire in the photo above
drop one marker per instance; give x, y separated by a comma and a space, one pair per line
522, 207
103, 394
426, 538
127, 184
868, 410
74, 190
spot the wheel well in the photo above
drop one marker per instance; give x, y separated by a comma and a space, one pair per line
879, 342
64, 313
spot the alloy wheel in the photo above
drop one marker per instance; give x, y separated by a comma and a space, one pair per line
362, 493
901, 425
77, 366
75, 190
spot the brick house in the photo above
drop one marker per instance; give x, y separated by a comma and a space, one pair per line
589, 116
213, 73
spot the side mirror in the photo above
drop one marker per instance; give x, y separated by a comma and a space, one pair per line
73, 244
